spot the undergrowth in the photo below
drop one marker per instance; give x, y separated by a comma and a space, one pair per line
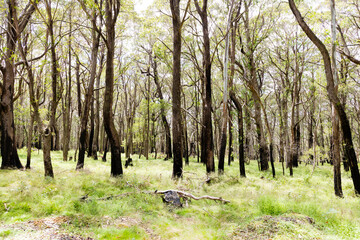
101, 207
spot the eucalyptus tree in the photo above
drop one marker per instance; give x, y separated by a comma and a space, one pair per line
176, 90
34, 96
255, 31
15, 26
95, 40
207, 141
112, 10
333, 97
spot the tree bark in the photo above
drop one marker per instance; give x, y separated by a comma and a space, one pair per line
255, 88
241, 133
89, 93
207, 143
223, 136
176, 90
112, 9
29, 141
168, 151
335, 118
96, 144
55, 75
15, 27
67, 102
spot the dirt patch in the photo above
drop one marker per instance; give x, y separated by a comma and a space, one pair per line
50, 228
39, 229
270, 227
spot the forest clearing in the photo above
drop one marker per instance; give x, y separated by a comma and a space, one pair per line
261, 207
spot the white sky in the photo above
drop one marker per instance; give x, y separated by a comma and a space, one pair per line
141, 5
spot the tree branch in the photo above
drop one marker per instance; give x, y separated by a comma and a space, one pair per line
188, 195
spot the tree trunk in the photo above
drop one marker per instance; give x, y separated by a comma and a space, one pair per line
92, 129
230, 153
241, 133
29, 141
168, 151
207, 143
255, 92
111, 11
335, 118
67, 105
54, 79
223, 136
96, 144
15, 26
89, 93
176, 90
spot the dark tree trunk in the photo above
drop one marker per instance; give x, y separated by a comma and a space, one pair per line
185, 135
345, 125
255, 89
96, 144
15, 26
241, 133
67, 102
54, 79
176, 90
29, 142
230, 153
89, 94
335, 118
92, 129
207, 144
112, 10
46, 151
168, 151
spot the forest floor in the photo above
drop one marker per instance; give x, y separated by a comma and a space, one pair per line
89, 204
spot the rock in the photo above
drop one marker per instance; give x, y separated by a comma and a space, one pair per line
172, 197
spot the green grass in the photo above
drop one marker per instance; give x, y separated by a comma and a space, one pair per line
261, 207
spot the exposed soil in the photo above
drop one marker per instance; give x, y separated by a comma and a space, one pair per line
50, 229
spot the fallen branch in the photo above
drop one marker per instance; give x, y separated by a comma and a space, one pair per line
188, 195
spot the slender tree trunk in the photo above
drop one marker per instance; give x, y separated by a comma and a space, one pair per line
29, 141
255, 92
241, 133
147, 122
207, 143
96, 144
168, 151
67, 105
335, 118
230, 153
185, 135
112, 10
223, 136
92, 129
54, 79
89, 93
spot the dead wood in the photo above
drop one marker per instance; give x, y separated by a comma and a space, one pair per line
186, 195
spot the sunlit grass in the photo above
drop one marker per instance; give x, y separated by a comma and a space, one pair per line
27, 195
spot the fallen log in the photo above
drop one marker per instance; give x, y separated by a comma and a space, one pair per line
188, 195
